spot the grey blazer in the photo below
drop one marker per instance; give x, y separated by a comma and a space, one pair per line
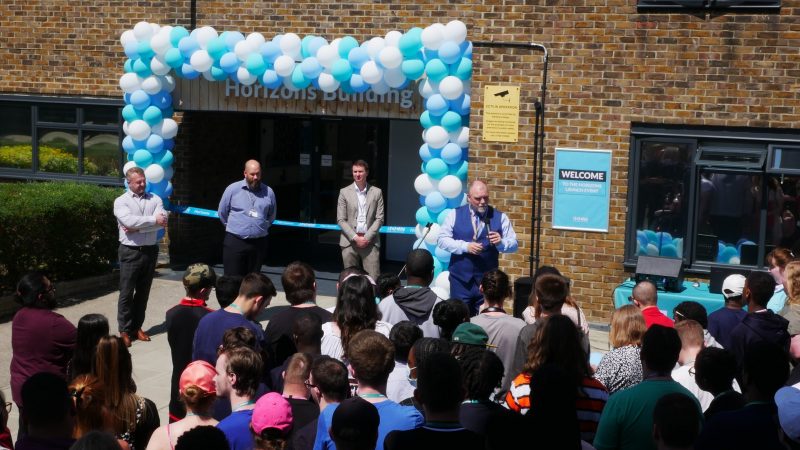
347, 214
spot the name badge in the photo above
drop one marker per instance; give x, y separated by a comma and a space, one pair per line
253, 213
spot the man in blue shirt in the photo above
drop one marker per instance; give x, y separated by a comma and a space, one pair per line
247, 209
238, 372
475, 234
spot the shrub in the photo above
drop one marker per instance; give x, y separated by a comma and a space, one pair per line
67, 230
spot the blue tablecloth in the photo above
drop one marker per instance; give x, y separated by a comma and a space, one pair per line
668, 300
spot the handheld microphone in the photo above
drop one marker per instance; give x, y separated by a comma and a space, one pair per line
422, 239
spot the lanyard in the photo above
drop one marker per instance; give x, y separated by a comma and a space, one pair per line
475, 221
242, 405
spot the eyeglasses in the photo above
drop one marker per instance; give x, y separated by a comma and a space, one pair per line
485, 198
309, 385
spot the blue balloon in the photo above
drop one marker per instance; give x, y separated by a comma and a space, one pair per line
358, 84
456, 201
271, 79
232, 38
188, 72
142, 158
651, 236
176, 34
161, 99
443, 215
449, 52
460, 170
726, 254
425, 152
436, 105
436, 168
358, 57
462, 69
140, 100
169, 144
128, 145
144, 50
410, 42
152, 115
466, 49
270, 51
434, 201
669, 250
451, 153
255, 64
429, 55
216, 48
422, 200
427, 120
442, 255
436, 70
158, 188
187, 46
346, 45
304, 46
413, 68
132, 50
155, 143
168, 190
167, 112
451, 121
129, 113
423, 216
315, 44
229, 63
341, 70
347, 89
461, 105
642, 238
128, 66
218, 74
166, 159
311, 68
173, 58
142, 68
298, 79
438, 267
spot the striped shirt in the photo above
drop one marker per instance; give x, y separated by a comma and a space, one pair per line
589, 404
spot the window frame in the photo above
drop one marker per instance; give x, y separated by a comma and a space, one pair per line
745, 6
34, 103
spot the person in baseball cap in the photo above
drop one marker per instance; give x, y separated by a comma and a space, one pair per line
271, 422
354, 425
197, 278
722, 321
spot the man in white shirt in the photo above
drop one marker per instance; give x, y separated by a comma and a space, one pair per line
359, 213
139, 217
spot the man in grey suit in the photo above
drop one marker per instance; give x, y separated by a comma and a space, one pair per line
360, 215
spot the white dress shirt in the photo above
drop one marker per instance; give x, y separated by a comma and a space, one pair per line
361, 218
508, 241
136, 218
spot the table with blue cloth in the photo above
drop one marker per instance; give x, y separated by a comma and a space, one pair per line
667, 301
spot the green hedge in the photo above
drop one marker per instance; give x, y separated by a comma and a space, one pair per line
67, 230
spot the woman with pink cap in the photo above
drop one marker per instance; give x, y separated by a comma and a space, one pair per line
272, 422
198, 392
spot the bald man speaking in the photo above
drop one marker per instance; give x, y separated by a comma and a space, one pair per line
247, 209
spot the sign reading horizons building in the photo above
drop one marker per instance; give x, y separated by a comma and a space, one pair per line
202, 95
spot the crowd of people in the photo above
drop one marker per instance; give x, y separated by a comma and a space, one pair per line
395, 367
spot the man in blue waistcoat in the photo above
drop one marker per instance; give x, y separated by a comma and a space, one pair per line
475, 234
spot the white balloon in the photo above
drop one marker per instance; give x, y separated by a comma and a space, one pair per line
139, 130
201, 61
436, 137
160, 43
443, 281
460, 137
168, 83
327, 55
290, 45
156, 28
327, 83
380, 88
433, 235
158, 66
335, 44
394, 78
374, 46
169, 129
128, 165
143, 31
127, 37
255, 40
393, 38
371, 73
455, 31
450, 186
284, 65
427, 88
424, 184
130, 83
441, 292
419, 231
243, 49
207, 75
432, 36
151, 85
450, 87
125, 127
205, 35
154, 173
390, 57
245, 77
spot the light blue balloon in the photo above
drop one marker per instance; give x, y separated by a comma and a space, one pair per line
423, 216
441, 255
216, 48
346, 45
346, 88
128, 145
140, 100
449, 52
443, 215
232, 38
436, 70
188, 72
142, 68
429, 55
462, 69
413, 68
451, 121
436, 168
152, 115
341, 70
128, 66
315, 44
651, 236
129, 113
410, 42
357, 58
358, 84
142, 158
311, 67
425, 153
460, 170
218, 74
433, 201
466, 49
270, 51
451, 153
145, 50
438, 267
187, 46
726, 254
176, 34
669, 250
229, 63
304, 46
461, 105
155, 143
436, 105
298, 79
271, 79
173, 58
131, 50
255, 64
166, 159
427, 120
641, 238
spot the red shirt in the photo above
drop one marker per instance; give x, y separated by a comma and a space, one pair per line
652, 316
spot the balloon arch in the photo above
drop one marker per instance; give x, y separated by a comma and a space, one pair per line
438, 58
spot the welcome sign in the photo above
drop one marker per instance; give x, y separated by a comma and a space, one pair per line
581, 191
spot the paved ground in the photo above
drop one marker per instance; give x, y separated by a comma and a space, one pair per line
151, 360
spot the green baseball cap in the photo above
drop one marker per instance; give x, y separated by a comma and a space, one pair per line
471, 334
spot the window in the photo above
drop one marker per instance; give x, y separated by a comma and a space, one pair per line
53, 139
712, 196
712, 5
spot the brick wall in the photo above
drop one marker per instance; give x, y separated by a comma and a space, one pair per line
609, 67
